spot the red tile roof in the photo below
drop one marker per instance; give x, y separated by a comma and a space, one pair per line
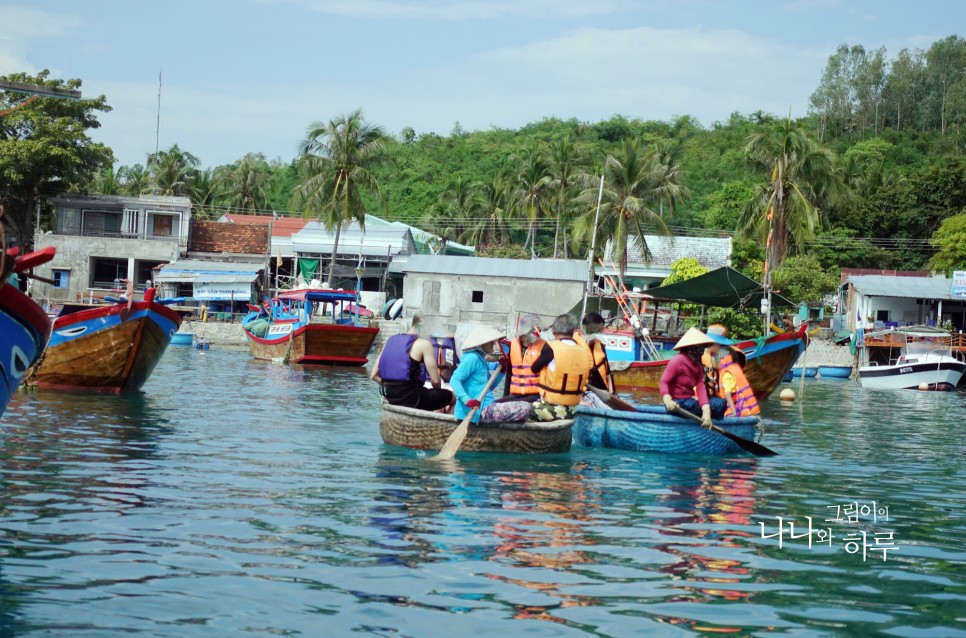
281, 227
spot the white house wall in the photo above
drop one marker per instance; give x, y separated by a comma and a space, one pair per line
75, 253
503, 300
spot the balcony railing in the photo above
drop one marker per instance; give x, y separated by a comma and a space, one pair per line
112, 235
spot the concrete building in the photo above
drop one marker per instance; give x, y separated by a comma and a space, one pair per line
282, 229
888, 300
446, 291
711, 252
224, 287
102, 239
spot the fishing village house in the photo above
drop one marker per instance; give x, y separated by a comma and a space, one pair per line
103, 239
883, 299
226, 268
447, 291
282, 254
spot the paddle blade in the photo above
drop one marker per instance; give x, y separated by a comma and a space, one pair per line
455, 440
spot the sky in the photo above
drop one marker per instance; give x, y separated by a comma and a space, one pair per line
240, 76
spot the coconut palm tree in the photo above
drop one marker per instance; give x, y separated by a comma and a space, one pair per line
136, 179
491, 226
669, 188
453, 213
204, 190
564, 172
627, 203
244, 183
108, 181
533, 192
339, 157
170, 170
801, 180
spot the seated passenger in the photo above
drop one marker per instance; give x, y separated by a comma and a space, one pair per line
478, 363
398, 367
564, 367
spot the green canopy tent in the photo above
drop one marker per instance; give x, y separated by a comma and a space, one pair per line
721, 288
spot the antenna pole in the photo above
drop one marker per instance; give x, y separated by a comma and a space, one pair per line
157, 126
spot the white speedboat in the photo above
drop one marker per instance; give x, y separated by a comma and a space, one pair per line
925, 361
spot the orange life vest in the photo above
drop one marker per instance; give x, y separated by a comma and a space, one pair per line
522, 379
599, 354
744, 398
567, 382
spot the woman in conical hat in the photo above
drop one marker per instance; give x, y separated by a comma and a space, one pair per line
684, 377
472, 375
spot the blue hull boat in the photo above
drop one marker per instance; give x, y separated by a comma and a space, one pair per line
835, 372
652, 429
810, 373
182, 339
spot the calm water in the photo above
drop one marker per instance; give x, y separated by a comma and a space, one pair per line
235, 497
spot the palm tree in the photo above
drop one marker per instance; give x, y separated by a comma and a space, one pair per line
491, 227
564, 167
108, 181
339, 157
627, 203
669, 187
455, 211
136, 180
801, 178
533, 192
170, 170
245, 183
204, 190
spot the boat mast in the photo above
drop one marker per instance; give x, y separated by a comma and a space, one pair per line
590, 255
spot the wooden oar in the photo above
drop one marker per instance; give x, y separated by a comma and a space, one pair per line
746, 444
455, 440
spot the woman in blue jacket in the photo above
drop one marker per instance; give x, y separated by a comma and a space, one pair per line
472, 375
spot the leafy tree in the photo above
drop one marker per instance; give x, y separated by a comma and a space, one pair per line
339, 157
491, 229
946, 68
802, 278
950, 239
108, 181
683, 269
457, 208
245, 183
136, 179
204, 190
627, 203
170, 171
533, 192
722, 209
564, 171
45, 148
801, 177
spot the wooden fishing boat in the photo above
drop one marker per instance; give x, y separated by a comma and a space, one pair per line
107, 347
767, 364
424, 430
24, 326
652, 429
287, 329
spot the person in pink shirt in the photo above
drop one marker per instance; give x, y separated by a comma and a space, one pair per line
684, 377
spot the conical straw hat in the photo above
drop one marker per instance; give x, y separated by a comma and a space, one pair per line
479, 336
693, 337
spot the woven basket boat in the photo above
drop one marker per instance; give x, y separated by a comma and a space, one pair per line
424, 430
652, 429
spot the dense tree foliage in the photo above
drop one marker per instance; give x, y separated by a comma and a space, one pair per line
866, 178
45, 149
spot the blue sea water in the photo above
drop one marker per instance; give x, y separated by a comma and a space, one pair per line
235, 497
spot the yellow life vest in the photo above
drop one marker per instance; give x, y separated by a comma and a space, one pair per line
523, 381
744, 398
567, 381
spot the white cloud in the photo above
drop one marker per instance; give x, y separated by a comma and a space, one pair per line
461, 9
28, 24
590, 74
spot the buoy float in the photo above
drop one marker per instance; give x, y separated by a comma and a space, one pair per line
385, 309
396, 309
787, 394
924, 386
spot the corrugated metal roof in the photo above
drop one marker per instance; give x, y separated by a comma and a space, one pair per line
202, 265
549, 269
905, 287
205, 278
711, 252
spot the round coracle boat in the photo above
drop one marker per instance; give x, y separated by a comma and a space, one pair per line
424, 430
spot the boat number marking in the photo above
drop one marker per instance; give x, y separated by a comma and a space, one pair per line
904, 370
280, 329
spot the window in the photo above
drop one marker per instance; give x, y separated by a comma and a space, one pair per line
477, 296
61, 278
162, 225
882, 315
431, 296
